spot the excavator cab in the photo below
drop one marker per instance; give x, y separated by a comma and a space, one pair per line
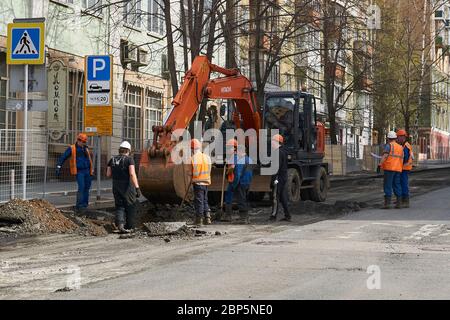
294, 115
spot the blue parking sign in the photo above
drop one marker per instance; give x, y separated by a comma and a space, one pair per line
98, 84
98, 68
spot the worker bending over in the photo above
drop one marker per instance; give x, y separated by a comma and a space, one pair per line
201, 179
279, 181
240, 182
80, 166
125, 187
392, 164
402, 139
231, 150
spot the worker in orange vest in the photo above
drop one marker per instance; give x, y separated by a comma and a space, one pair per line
201, 179
392, 164
80, 162
402, 139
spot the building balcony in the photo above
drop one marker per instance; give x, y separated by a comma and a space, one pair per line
268, 43
439, 42
363, 47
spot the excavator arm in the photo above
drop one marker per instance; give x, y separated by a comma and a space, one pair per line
160, 179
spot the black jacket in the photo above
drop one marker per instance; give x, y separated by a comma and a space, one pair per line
282, 174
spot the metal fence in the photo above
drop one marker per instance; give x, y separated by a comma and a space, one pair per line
44, 148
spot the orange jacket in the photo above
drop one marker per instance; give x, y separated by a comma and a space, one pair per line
409, 165
201, 169
394, 162
73, 161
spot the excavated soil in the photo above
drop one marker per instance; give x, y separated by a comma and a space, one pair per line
40, 217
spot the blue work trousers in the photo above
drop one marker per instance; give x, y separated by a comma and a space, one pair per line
392, 182
201, 200
404, 180
84, 181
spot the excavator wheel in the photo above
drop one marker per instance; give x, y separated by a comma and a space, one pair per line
320, 186
293, 186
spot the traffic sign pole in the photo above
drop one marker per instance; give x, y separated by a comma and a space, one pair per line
26, 45
25, 132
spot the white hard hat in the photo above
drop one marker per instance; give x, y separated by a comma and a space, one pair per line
125, 145
392, 135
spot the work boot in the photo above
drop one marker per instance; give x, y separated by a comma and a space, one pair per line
198, 220
244, 217
398, 203
273, 219
207, 219
219, 215
287, 218
228, 213
122, 229
387, 203
406, 202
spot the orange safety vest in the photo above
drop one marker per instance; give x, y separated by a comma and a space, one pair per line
394, 162
409, 165
73, 161
201, 168
230, 174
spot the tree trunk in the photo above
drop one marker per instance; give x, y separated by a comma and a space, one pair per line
228, 31
170, 48
184, 35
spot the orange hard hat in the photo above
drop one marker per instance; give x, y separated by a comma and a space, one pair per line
82, 137
402, 133
195, 144
232, 143
278, 137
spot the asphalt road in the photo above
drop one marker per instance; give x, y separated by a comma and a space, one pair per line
372, 254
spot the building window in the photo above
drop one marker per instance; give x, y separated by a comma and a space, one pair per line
93, 5
132, 13
132, 117
153, 113
338, 88
8, 119
75, 91
274, 76
64, 1
155, 22
315, 85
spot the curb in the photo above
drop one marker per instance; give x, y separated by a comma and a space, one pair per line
374, 176
74, 192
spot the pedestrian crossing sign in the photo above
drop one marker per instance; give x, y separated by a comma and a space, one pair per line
26, 43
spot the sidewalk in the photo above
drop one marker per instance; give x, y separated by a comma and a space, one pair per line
61, 194
429, 165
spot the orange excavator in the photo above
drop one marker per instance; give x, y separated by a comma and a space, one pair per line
293, 113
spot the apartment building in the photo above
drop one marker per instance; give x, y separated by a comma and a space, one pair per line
133, 32
434, 130
298, 27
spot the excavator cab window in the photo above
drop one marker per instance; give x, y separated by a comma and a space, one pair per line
279, 114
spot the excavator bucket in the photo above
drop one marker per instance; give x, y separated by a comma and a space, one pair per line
162, 181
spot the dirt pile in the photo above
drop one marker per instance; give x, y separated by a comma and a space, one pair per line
170, 213
41, 217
